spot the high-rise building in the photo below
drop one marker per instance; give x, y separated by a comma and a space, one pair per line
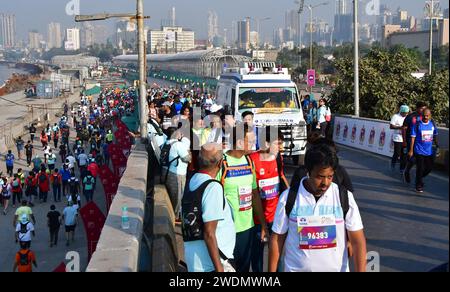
244, 34
234, 31
102, 33
87, 35
278, 37
172, 17
213, 25
7, 30
34, 40
254, 39
126, 34
54, 39
343, 22
72, 39
385, 16
446, 13
341, 7
170, 40
401, 18
291, 23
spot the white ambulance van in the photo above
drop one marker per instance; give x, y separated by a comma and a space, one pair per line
269, 93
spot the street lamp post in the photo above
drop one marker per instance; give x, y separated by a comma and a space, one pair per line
356, 56
139, 16
301, 4
432, 12
310, 7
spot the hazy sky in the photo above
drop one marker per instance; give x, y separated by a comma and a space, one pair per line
36, 14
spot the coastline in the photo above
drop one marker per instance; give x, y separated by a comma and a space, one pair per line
19, 75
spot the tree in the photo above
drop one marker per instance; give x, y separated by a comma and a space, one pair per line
386, 82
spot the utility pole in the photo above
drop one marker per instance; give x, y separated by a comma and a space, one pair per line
356, 56
142, 71
139, 17
431, 38
301, 4
311, 38
311, 26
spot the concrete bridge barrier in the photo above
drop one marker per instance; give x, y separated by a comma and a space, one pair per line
119, 250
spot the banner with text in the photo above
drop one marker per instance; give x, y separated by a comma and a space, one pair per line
372, 136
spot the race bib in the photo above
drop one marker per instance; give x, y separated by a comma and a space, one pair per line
317, 232
245, 198
427, 136
269, 188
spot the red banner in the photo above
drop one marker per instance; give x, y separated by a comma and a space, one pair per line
61, 268
93, 220
109, 199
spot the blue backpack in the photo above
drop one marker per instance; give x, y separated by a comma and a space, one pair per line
9, 159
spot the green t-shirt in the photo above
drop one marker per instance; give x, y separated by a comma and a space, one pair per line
238, 187
24, 210
88, 183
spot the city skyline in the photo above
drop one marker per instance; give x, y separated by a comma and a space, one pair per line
28, 20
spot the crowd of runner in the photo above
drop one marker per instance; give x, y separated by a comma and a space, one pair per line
225, 179
67, 171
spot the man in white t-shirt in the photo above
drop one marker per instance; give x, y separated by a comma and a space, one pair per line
314, 234
397, 126
24, 230
70, 161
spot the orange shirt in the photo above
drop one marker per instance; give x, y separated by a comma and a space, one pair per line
31, 258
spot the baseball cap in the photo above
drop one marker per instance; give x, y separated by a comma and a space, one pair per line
24, 219
404, 109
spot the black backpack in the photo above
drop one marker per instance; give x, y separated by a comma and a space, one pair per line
191, 212
42, 177
292, 196
24, 260
164, 159
23, 228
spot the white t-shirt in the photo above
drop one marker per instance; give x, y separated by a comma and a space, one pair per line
302, 259
71, 161
397, 120
83, 159
25, 236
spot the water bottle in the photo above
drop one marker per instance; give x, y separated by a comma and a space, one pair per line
125, 218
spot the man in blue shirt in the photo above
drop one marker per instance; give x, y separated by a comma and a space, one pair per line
409, 123
219, 235
9, 158
422, 137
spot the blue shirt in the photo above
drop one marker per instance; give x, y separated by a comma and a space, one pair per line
65, 173
10, 159
196, 253
424, 134
70, 214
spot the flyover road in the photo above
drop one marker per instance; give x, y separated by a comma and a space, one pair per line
409, 231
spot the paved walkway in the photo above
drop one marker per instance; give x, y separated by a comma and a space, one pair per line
47, 258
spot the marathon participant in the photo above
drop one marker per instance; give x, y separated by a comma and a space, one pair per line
409, 123
213, 249
311, 224
422, 137
238, 178
271, 183
397, 125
